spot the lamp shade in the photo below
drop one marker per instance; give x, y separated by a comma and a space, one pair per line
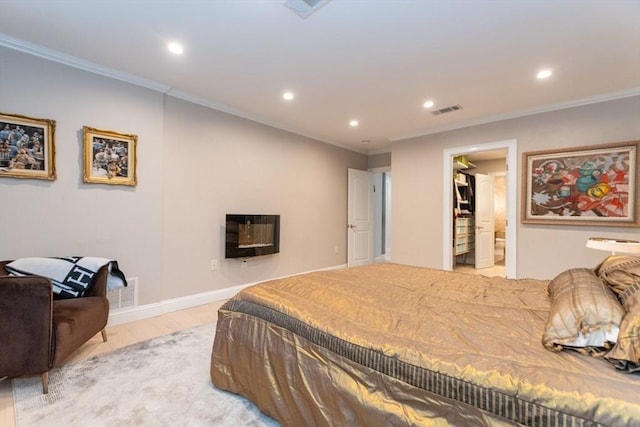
614, 245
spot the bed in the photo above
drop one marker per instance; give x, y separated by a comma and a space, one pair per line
395, 345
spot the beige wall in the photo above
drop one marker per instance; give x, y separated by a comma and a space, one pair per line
499, 205
165, 230
543, 250
216, 163
379, 160
65, 216
194, 165
489, 167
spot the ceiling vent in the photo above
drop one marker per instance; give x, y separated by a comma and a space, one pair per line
305, 8
447, 110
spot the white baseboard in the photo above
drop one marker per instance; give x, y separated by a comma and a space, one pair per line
167, 306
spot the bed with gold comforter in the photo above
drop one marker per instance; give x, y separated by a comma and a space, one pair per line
393, 345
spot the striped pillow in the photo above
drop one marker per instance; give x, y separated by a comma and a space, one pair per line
622, 274
585, 314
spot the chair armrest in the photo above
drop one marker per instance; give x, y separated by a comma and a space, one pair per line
4, 272
99, 286
97, 289
26, 310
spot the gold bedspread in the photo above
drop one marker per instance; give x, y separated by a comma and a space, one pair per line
388, 344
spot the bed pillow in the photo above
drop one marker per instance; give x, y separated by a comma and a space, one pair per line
622, 274
625, 355
585, 314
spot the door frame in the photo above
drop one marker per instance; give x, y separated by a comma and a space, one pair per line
382, 198
511, 203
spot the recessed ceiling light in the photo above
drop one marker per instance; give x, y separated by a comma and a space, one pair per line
428, 104
366, 141
288, 96
543, 74
175, 48
353, 123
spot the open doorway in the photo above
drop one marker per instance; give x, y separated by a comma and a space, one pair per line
382, 228
494, 160
481, 218
500, 214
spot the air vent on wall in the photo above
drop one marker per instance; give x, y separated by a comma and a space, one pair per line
123, 298
447, 110
304, 8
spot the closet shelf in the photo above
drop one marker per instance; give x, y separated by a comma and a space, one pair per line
461, 162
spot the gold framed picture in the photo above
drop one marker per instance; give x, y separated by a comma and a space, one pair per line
109, 157
27, 147
592, 185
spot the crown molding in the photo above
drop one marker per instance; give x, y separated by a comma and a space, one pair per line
69, 60
542, 109
254, 118
72, 61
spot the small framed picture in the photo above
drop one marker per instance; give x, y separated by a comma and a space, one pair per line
109, 157
27, 147
593, 185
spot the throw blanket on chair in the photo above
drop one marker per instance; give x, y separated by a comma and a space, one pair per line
71, 276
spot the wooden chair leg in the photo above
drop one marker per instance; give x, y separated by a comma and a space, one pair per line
45, 382
104, 335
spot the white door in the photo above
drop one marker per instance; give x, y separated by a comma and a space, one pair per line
360, 218
485, 227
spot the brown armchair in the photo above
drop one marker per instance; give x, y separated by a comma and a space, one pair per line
37, 332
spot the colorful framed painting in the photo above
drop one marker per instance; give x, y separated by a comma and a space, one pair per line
27, 147
109, 157
593, 185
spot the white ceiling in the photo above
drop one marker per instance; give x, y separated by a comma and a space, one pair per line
376, 61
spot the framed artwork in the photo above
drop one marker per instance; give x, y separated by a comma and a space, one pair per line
109, 157
593, 185
27, 147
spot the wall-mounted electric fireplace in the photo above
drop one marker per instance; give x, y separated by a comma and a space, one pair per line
252, 235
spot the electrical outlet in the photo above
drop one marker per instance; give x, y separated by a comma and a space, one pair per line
214, 264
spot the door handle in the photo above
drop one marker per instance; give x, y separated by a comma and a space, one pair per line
351, 226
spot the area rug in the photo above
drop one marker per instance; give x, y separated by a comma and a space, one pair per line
160, 382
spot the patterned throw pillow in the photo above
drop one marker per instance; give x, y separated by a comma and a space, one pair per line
622, 274
585, 314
